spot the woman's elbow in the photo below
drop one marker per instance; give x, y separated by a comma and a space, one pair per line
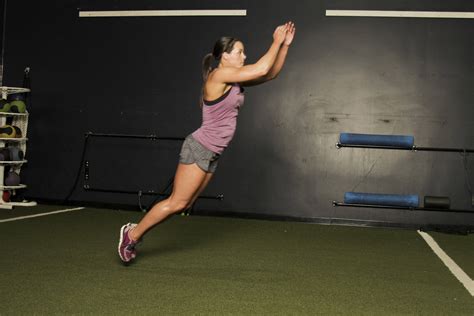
272, 76
262, 71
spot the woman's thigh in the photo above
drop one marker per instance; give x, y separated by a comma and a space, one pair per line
187, 182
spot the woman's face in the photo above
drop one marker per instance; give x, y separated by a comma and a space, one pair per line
236, 57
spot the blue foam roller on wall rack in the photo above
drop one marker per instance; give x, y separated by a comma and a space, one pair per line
377, 140
381, 199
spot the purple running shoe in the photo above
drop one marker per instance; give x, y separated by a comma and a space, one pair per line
126, 247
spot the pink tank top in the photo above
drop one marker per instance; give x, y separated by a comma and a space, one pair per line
219, 120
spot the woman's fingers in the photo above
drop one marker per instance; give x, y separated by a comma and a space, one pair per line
290, 33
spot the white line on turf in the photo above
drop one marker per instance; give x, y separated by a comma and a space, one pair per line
452, 266
40, 214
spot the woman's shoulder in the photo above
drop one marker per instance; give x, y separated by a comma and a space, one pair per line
214, 74
211, 80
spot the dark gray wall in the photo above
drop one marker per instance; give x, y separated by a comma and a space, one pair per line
142, 76
2, 15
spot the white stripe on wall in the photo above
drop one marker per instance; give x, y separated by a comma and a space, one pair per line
402, 14
135, 13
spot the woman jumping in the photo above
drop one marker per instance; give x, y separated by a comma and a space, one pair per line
221, 99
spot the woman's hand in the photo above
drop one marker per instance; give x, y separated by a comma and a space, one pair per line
280, 33
290, 33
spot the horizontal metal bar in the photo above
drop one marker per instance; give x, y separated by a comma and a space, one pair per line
145, 13
89, 188
414, 148
152, 137
334, 203
459, 150
401, 14
339, 145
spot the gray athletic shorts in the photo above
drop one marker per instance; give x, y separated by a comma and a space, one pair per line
193, 152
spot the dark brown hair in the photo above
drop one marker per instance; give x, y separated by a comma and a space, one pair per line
223, 45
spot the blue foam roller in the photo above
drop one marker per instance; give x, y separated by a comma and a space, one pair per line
377, 140
381, 199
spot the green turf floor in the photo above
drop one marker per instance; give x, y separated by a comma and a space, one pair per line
68, 264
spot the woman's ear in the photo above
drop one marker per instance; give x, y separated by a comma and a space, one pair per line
225, 56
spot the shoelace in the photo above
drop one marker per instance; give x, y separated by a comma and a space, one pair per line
131, 246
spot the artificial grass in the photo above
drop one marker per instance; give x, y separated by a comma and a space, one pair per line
68, 264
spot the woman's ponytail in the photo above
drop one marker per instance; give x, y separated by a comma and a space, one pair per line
223, 45
207, 66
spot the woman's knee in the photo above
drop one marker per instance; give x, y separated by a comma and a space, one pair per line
177, 206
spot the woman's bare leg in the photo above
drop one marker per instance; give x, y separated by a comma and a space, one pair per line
189, 181
201, 188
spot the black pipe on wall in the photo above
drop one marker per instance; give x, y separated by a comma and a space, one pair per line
142, 76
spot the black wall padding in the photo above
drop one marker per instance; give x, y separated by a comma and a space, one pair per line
142, 76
